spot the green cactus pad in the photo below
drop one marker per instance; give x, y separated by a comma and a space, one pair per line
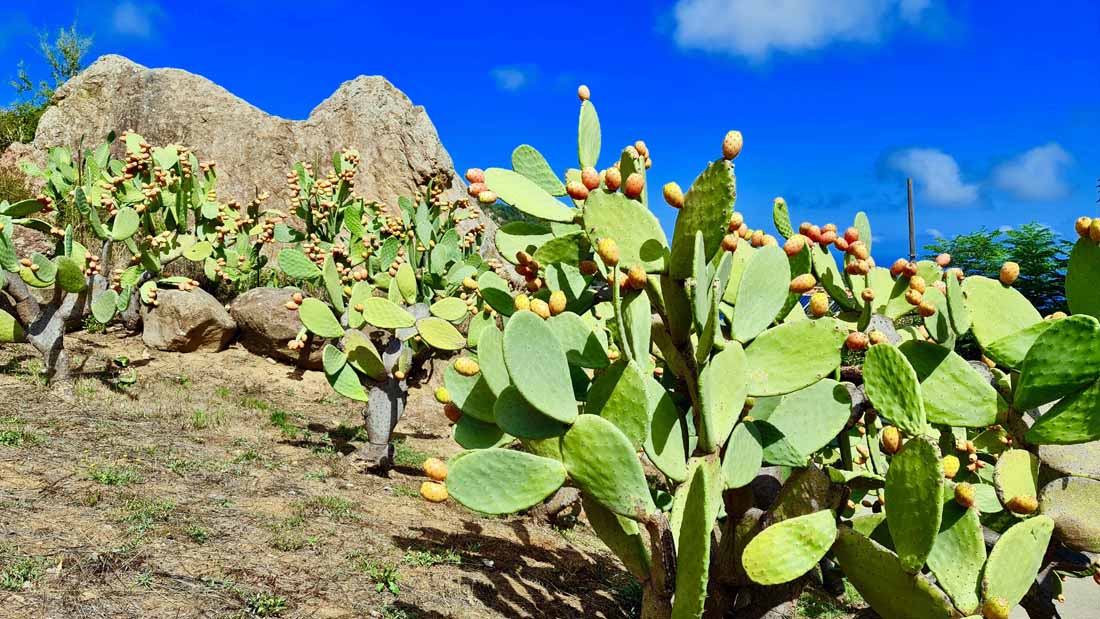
621, 535
763, 292
741, 257
503, 481
297, 266
790, 548
440, 334
703, 501
954, 393
812, 417
69, 275
406, 282
707, 209
385, 314
1071, 502
665, 440
318, 318
471, 394
472, 433
363, 356
861, 223
1017, 474
619, 395
1065, 358
333, 359
1015, 560
516, 417
490, 355
914, 501
1083, 280
126, 223
793, 355
568, 249
996, 310
939, 324
879, 577
985, 499
10, 329
519, 236
346, 383
496, 292
525, 195
451, 309
1011, 350
958, 555
588, 136
634, 228
781, 216
831, 277
530, 163
722, 388
893, 387
104, 306
333, 286
637, 316
957, 308
538, 367
603, 462
584, 346
744, 455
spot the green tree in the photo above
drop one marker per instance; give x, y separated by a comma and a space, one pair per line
1041, 253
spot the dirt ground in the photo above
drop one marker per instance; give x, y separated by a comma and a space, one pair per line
216, 486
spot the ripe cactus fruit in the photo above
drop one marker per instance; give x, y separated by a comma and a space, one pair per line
435, 469
877, 337
736, 221
608, 251
851, 235
557, 302
917, 283
729, 242
576, 190
636, 277
731, 145
475, 175
964, 494
522, 302
469, 283
613, 179
1022, 504
857, 341
803, 283
466, 366
1010, 271
433, 491
475, 189
868, 295
950, 466
926, 309
1094, 230
913, 297
1082, 226
590, 178
794, 245
588, 267
583, 93
673, 195
297, 298
996, 608
540, 308
819, 304
453, 413
634, 185
943, 259
486, 197
442, 395
891, 440
898, 267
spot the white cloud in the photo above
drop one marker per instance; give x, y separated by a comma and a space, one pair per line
1036, 175
756, 28
934, 233
134, 19
512, 78
936, 175
1005, 228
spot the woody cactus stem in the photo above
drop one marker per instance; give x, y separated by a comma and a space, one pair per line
44, 324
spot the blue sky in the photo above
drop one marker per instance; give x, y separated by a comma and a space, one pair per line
992, 108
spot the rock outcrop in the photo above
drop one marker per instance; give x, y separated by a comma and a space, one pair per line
186, 322
266, 326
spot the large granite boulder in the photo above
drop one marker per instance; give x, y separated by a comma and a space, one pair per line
266, 326
186, 322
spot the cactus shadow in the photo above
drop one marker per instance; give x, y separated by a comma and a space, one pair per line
522, 578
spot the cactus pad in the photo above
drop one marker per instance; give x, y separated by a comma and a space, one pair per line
297, 266
701, 505
763, 292
472, 433
516, 417
362, 355
525, 195
744, 455
1011, 350
636, 230
1015, 560
538, 367
893, 387
1065, 358
953, 392
490, 356
471, 394
707, 209
665, 440
790, 548
958, 555
603, 462
619, 396
1083, 279
1017, 474
440, 334
451, 309
996, 310
584, 346
588, 136
914, 501
530, 163
385, 314
318, 318
621, 535
503, 481
793, 355
812, 417
722, 388
519, 236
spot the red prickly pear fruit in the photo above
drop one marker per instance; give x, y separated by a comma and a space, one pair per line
943, 259
868, 295
803, 283
911, 269
830, 227
804, 228
857, 341
814, 233
964, 494
731, 145
453, 413
583, 93
557, 302
1082, 226
590, 178
851, 234
576, 190
913, 297
634, 185
841, 244
608, 251
589, 267
487, 197
475, 189
736, 221
794, 245
636, 277
475, 175
926, 309
729, 242
917, 283
1022, 504
891, 440
898, 267
828, 237
1009, 272
613, 178
757, 239
819, 304
673, 195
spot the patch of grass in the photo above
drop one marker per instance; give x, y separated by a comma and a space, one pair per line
223, 392
246, 456
403, 490
201, 419
814, 604
144, 580
197, 533
385, 576
265, 604
407, 456
393, 612
18, 438
91, 325
144, 514
110, 475
279, 419
429, 558
337, 508
20, 573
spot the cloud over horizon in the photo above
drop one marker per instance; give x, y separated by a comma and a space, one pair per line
513, 77
936, 175
1035, 176
135, 19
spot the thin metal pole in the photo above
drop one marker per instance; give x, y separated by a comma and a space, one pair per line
912, 235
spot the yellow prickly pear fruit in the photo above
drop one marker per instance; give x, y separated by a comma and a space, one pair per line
867, 295
466, 366
731, 145
913, 296
1022, 504
557, 302
917, 283
636, 277
540, 308
996, 608
891, 440
435, 469
877, 337
819, 304
950, 466
926, 309
964, 495
442, 395
736, 219
469, 283
803, 283
673, 195
1009, 272
729, 242
433, 491
1094, 230
522, 302
608, 251
1082, 226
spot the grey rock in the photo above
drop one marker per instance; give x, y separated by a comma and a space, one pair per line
186, 322
266, 327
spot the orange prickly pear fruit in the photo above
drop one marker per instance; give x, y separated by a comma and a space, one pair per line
433, 491
540, 308
731, 145
867, 295
590, 178
475, 175
435, 469
634, 185
608, 251
613, 178
891, 440
636, 277
794, 245
736, 219
943, 260
857, 341
1022, 504
1082, 226
583, 93
1010, 271
576, 190
803, 283
729, 242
